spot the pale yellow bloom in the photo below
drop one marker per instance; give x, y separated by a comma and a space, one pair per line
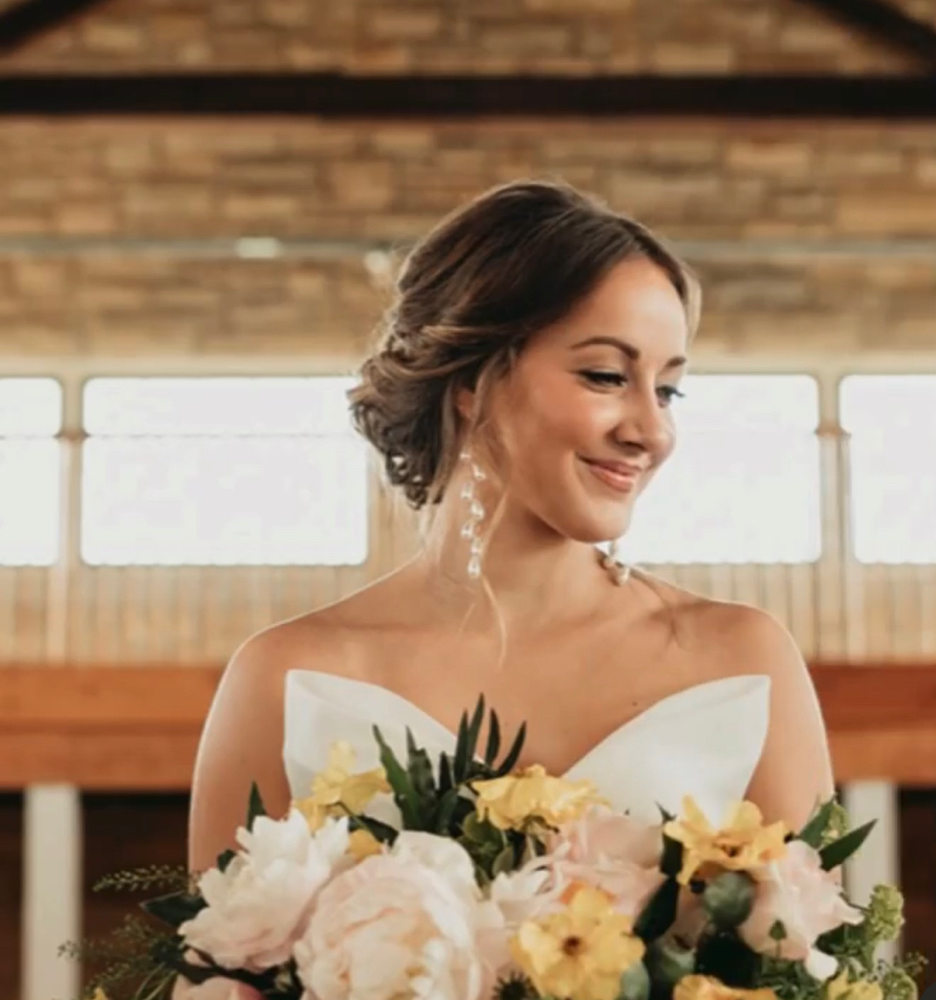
580, 952
362, 844
841, 989
697, 987
742, 844
337, 791
511, 801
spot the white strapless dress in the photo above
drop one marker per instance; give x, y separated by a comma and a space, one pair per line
704, 741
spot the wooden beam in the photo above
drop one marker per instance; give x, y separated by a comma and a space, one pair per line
134, 729
24, 21
337, 96
883, 22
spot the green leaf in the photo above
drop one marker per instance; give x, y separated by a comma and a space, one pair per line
658, 915
467, 744
814, 829
460, 762
513, 755
175, 908
504, 862
672, 859
446, 811
493, 743
255, 807
419, 767
383, 832
446, 782
841, 850
225, 858
403, 792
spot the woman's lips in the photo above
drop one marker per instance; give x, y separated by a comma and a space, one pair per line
621, 478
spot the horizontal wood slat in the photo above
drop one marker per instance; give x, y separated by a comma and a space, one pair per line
137, 728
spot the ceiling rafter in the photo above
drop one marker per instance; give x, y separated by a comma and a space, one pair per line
883, 22
25, 20
339, 96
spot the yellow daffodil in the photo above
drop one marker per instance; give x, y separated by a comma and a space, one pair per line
580, 952
696, 987
336, 791
742, 844
510, 802
840, 988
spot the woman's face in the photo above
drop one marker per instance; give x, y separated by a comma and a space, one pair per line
585, 416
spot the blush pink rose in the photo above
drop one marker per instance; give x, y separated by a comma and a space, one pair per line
398, 926
612, 852
808, 902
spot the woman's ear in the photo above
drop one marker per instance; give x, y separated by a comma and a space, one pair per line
465, 401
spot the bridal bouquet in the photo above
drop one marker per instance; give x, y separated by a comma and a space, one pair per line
499, 884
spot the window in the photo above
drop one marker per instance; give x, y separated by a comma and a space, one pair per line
892, 492
222, 471
743, 484
30, 471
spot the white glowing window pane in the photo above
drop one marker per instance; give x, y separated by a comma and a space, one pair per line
30, 475
30, 407
30, 471
892, 450
743, 485
218, 405
273, 484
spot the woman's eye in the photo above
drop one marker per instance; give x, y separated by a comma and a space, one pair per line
605, 378
669, 393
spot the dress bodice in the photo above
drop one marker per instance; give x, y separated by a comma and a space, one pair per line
703, 741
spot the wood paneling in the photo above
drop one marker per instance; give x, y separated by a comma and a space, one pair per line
137, 728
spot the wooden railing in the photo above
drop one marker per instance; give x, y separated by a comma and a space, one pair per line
137, 728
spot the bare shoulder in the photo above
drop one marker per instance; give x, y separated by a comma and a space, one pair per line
731, 636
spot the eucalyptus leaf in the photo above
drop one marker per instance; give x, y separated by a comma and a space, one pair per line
175, 908
839, 851
504, 862
815, 828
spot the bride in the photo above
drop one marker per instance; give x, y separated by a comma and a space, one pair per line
522, 397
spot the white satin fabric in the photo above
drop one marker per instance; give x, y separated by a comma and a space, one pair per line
704, 741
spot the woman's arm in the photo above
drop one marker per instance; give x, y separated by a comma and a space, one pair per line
795, 769
241, 743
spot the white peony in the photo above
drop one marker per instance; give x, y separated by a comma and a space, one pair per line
260, 905
398, 926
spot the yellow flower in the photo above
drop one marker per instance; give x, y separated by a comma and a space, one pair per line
580, 952
841, 989
742, 844
696, 987
362, 844
338, 792
510, 801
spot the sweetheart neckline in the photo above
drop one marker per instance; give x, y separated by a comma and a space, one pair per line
649, 711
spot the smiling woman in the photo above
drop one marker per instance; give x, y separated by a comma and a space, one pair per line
520, 397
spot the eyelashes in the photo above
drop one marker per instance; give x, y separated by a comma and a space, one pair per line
616, 379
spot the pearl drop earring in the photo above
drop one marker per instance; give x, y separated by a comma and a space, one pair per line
476, 514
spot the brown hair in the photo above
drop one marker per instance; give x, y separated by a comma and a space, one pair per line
468, 298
